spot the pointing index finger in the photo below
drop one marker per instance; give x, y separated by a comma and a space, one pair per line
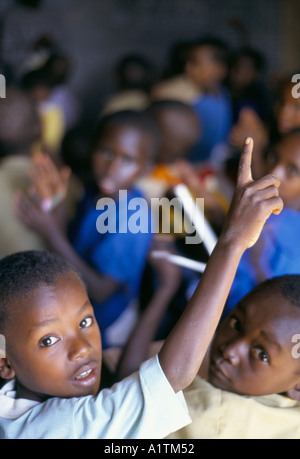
244, 172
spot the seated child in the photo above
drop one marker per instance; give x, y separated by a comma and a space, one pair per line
277, 252
246, 83
19, 131
252, 389
179, 131
207, 67
55, 361
39, 85
133, 78
111, 261
174, 83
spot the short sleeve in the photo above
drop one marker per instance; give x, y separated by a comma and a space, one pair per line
143, 406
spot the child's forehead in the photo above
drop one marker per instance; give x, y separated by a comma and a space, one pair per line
67, 290
269, 307
130, 139
122, 132
69, 281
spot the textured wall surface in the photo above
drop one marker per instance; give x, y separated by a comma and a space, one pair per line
96, 33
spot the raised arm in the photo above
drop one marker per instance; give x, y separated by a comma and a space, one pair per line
253, 202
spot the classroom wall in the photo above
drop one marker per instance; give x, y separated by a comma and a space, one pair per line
290, 36
96, 33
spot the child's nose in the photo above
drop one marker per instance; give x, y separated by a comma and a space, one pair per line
114, 166
78, 349
233, 352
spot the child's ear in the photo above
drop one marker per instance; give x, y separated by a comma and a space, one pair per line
294, 393
6, 372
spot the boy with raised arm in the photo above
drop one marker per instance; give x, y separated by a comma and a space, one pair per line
53, 348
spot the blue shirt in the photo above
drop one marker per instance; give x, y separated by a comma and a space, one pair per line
279, 255
121, 254
214, 112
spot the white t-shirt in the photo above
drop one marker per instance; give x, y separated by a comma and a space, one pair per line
142, 406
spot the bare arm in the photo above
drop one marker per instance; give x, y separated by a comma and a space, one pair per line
184, 349
137, 347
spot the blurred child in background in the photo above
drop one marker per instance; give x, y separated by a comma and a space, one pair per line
19, 133
207, 66
112, 262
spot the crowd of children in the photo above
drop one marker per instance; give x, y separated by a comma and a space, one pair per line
77, 239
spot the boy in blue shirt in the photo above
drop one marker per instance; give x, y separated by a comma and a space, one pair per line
207, 67
53, 348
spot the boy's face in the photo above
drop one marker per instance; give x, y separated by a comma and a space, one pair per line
53, 344
243, 73
288, 116
252, 351
179, 132
204, 70
283, 161
119, 159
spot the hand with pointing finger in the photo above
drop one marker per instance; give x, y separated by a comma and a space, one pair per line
252, 204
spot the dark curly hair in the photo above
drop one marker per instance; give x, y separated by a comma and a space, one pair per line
23, 272
288, 286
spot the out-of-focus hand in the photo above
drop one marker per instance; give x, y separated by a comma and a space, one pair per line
33, 217
48, 182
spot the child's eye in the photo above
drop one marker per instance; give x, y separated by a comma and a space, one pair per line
87, 322
49, 341
128, 161
292, 170
235, 323
108, 155
272, 158
260, 354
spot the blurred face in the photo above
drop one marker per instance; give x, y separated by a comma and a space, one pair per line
120, 158
54, 346
252, 350
204, 70
243, 73
283, 161
288, 116
179, 134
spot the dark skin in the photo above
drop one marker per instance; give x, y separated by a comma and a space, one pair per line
284, 162
252, 350
58, 350
288, 115
217, 277
121, 156
196, 327
204, 70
